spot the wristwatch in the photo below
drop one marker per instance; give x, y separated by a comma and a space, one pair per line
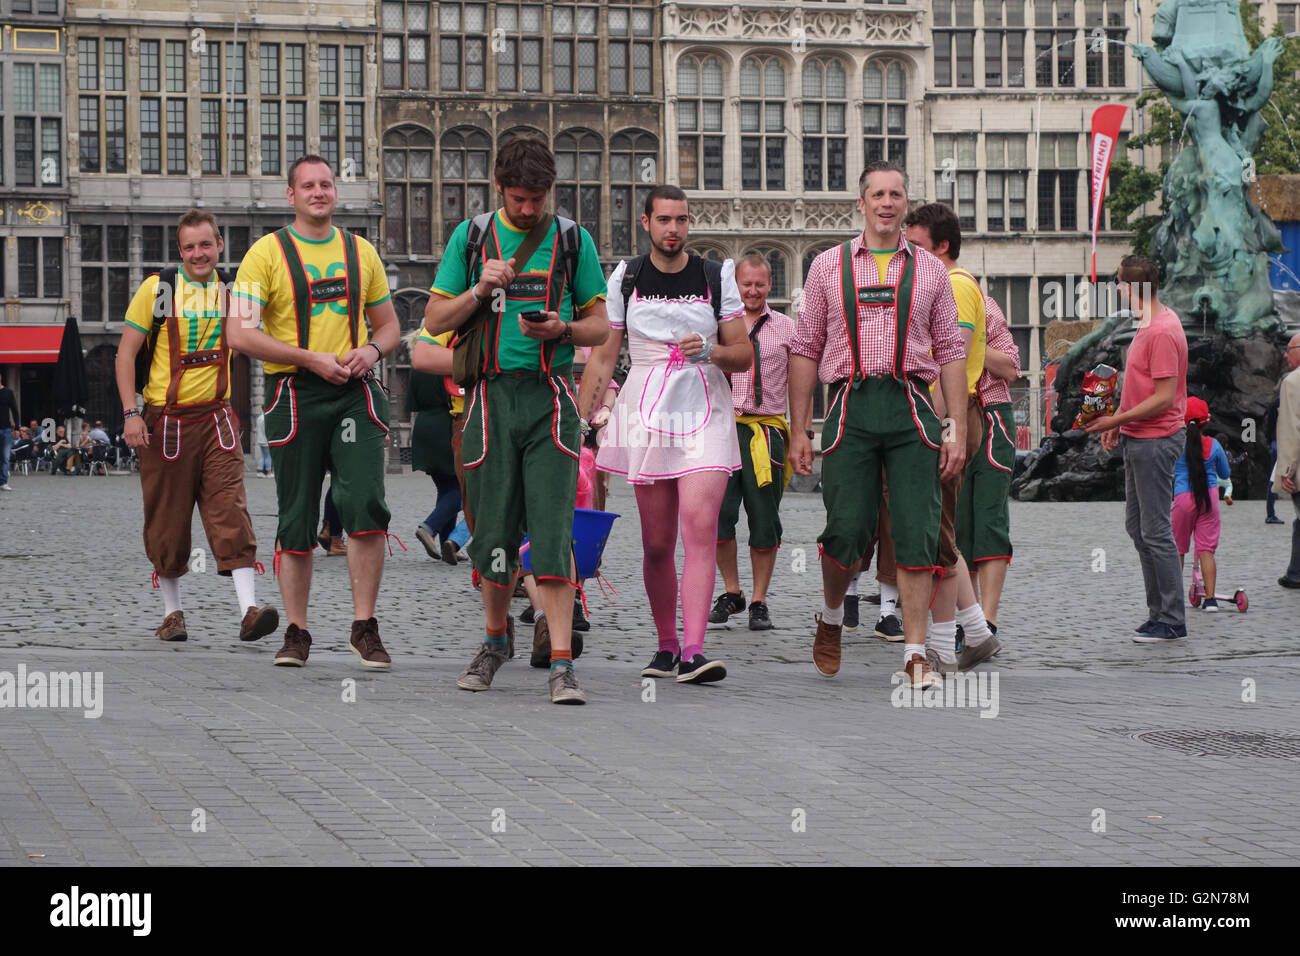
809, 432
566, 337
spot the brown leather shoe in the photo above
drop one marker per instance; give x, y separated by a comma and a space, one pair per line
367, 645
324, 537
173, 627
826, 648
541, 656
297, 642
337, 548
917, 672
258, 622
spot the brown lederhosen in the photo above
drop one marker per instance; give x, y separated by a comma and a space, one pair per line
193, 457
458, 458
886, 570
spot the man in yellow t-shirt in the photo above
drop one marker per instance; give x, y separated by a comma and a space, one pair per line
312, 286
935, 227
187, 437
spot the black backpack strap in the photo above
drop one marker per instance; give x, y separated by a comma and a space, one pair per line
570, 236
629, 280
478, 227
164, 303
713, 276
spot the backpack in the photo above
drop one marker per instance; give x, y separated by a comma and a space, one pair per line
712, 275
163, 304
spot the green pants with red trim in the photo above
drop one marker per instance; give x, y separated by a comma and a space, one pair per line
521, 442
875, 422
314, 427
983, 513
762, 505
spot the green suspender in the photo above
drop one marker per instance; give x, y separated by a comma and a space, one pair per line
555, 296
903, 310
849, 293
301, 290
352, 266
758, 370
302, 286
902, 302
492, 322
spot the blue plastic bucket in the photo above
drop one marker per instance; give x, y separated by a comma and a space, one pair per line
590, 532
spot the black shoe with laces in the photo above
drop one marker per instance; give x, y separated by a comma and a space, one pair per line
580, 622
700, 670
759, 620
850, 612
727, 604
661, 665
889, 628
527, 616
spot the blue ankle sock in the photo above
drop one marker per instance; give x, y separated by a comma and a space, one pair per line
497, 643
561, 663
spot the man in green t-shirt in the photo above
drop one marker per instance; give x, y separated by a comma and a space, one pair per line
521, 435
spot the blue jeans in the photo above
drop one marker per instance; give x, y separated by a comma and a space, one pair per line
6, 446
460, 534
264, 465
1270, 499
442, 519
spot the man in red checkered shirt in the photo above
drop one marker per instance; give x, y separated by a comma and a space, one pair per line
878, 323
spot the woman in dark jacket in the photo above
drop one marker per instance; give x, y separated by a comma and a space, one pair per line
431, 452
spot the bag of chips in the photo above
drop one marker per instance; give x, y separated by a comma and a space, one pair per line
1098, 394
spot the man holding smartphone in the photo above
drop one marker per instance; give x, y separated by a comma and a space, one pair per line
522, 435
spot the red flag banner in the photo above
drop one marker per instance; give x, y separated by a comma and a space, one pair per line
1105, 133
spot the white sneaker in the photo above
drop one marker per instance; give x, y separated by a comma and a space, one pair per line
5, 488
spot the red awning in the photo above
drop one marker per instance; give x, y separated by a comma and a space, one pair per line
30, 343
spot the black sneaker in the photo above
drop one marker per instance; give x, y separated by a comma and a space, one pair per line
580, 622
1144, 628
727, 604
961, 638
873, 599
1160, 633
1273, 519
850, 612
758, 617
661, 665
700, 670
527, 616
889, 628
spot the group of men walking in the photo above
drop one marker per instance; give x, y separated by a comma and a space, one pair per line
917, 430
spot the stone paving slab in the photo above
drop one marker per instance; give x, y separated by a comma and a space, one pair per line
775, 765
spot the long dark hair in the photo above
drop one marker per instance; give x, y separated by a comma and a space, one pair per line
1194, 453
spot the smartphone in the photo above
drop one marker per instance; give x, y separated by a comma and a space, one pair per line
538, 316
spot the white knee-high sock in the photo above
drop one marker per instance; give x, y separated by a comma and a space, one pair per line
171, 593
853, 586
245, 588
973, 624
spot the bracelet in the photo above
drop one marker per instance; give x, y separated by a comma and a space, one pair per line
702, 356
130, 413
474, 295
377, 349
566, 337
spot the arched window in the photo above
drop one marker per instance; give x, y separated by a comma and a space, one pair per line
808, 258
699, 122
884, 116
825, 144
708, 252
776, 263
578, 156
762, 123
633, 172
466, 176
408, 191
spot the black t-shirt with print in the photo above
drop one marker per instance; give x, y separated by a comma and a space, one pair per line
688, 284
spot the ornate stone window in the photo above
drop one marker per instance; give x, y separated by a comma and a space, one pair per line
884, 111
699, 122
762, 123
825, 140
408, 191
466, 176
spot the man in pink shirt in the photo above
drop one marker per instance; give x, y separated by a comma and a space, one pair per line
878, 322
758, 397
1150, 426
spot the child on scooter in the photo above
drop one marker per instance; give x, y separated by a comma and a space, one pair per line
1195, 513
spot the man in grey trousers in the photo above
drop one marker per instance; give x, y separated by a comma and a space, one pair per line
1150, 425
1286, 474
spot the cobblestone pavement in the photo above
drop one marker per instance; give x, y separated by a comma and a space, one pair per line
773, 765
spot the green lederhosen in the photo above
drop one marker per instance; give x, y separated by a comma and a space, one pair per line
313, 427
762, 505
521, 443
983, 512
873, 421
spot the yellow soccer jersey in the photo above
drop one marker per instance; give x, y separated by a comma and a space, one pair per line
264, 277
444, 339
882, 257
970, 315
198, 318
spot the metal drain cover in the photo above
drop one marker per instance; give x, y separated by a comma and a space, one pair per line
1225, 743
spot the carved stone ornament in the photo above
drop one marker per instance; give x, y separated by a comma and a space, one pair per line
767, 214
703, 22
892, 27
711, 213
828, 214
